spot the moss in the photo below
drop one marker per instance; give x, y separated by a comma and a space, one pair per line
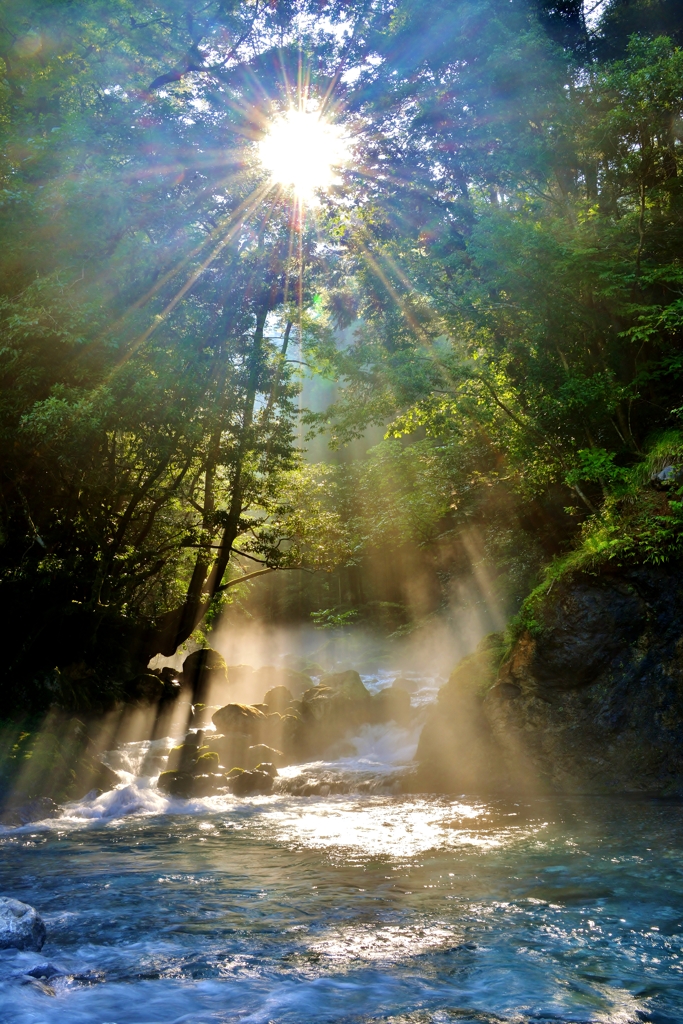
635, 525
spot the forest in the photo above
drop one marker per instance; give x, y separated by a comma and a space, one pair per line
491, 290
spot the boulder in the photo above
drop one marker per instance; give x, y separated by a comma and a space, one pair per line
176, 784
207, 783
339, 705
231, 750
260, 752
21, 926
392, 704
278, 698
346, 684
145, 689
183, 756
272, 730
250, 783
239, 718
92, 774
202, 715
206, 762
16, 814
204, 671
268, 768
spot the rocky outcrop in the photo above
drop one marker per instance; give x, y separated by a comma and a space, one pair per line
21, 926
591, 698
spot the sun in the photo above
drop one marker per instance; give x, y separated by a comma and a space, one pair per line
304, 151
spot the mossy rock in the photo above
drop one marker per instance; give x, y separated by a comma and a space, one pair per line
176, 784
206, 762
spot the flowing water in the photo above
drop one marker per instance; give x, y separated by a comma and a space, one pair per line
353, 903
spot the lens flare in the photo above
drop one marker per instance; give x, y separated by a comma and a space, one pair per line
304, 151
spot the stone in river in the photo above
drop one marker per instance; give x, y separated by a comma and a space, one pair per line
205, 671
261, 752
392, 704
249, 783
239, 718
21, 926
206, 762
176, 784
348, 685
206, 785
268, 768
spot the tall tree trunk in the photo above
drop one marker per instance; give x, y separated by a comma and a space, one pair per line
174, 628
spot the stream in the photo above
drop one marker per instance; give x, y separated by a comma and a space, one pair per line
338, 899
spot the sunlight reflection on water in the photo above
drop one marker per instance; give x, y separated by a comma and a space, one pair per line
366, 907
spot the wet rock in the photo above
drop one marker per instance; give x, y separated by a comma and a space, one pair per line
176, 784
21, 926
183, 756
261, 752
39, 986
239, 718
92, 774
203, 672
145, 689
271, 733
43, 972
339, 705
206, 784
392, 704
251, 783
206, 762
15, 815
348, 685
278, 698
268, 768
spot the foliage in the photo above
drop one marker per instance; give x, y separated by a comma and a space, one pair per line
523, 313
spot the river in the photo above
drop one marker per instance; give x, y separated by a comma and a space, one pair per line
359, 905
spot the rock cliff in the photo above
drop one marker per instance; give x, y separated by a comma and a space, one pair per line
591, 698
